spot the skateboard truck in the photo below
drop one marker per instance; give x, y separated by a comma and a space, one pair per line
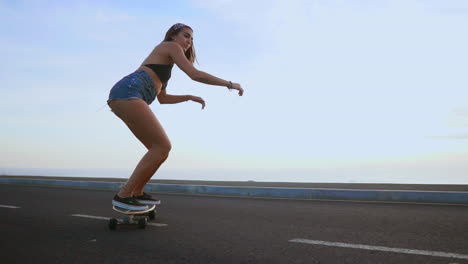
132, 217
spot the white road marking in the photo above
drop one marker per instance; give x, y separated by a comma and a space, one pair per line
378, 248
156, 224
107, 218
9, 206
92, 216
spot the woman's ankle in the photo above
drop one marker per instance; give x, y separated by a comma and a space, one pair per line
139, 193
124, 194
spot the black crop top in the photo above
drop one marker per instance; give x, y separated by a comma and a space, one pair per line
163, 71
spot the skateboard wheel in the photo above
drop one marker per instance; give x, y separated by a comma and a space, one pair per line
112, 224
142, 223
152, 215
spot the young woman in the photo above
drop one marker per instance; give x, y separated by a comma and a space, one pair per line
130, 98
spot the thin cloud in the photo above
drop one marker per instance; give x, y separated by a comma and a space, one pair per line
458, 136
461, 112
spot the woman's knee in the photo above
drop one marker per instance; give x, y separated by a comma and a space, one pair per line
166, 147
162, 147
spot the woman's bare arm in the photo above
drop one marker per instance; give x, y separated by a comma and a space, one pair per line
165, 98
177, 54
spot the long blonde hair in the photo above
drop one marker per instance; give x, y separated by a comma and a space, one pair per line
174, 30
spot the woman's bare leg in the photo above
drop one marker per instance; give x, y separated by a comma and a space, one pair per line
139, 118
138, 190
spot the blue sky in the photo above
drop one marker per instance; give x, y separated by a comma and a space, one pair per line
370, 91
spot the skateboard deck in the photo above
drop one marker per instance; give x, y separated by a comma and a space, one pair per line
132, 212
132, 217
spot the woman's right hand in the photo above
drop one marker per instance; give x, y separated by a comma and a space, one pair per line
198, 100
236, 86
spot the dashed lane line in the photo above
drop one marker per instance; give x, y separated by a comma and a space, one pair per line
378, 248
9, 206
107, 218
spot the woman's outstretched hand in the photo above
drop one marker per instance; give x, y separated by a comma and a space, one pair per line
198, 100
236, 86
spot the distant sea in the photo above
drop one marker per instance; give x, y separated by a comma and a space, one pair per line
285, 175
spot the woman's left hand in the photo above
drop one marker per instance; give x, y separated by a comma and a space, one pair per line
236, 86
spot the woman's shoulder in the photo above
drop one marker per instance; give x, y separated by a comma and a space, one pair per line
161, 54
170, 46
164, 48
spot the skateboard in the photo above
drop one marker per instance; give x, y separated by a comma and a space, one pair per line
132, 217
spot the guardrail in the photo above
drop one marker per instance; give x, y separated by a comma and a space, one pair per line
442, 197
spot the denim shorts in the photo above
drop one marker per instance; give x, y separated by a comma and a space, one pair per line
137, 85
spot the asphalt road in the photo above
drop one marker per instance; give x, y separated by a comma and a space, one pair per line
196, 229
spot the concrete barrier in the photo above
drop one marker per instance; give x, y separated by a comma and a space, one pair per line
446, 197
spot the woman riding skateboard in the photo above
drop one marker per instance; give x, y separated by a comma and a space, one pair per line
130, 98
